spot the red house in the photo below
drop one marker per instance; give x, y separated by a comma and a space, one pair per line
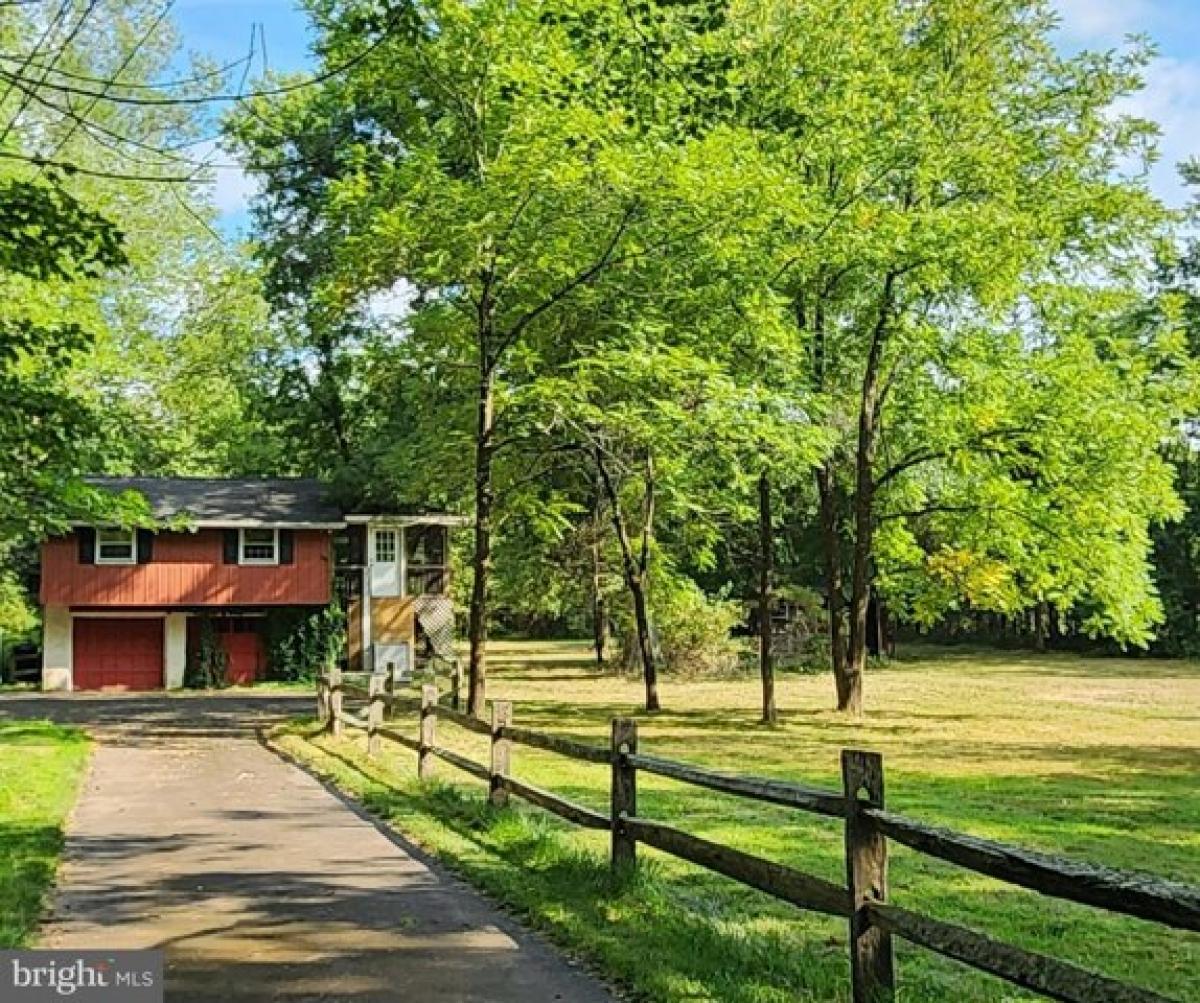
122, 608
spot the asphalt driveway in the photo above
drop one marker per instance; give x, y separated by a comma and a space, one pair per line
257, 882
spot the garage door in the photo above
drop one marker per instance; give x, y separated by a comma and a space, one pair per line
118, 654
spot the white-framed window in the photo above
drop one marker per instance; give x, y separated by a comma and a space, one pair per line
116, 546
258, 546
385, 546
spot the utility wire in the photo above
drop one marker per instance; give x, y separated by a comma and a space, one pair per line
320, 78
220, 71
69, 168
51, 26
58, 54
130, 56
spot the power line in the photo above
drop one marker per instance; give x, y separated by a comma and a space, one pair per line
220, 71
70, 37
51, 25
129, 58
216, 98
69, 168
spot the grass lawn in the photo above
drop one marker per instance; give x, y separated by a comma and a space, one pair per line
41, 765
1095, 759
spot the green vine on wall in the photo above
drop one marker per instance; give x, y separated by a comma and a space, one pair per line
208, 663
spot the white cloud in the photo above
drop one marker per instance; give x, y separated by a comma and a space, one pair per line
1172, 99
232, 191
230, 188
1105, 22
1171, 96
394, 303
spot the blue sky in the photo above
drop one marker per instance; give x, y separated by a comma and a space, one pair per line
222, 29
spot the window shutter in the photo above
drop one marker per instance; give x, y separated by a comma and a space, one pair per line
357, 535
287, 546
231, 546
145, 546
87, 544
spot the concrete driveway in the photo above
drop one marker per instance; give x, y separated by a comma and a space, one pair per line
256, 881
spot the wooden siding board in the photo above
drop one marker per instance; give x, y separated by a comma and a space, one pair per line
188, 570
392, 619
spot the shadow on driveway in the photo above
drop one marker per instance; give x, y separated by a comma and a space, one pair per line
159, 719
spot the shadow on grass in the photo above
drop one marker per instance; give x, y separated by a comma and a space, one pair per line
38, 733
1043, 663
28, 860
693, 928
664, 941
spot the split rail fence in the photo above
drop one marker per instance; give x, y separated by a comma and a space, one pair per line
869, 827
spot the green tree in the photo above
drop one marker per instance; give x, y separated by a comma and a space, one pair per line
949, 204
496, 161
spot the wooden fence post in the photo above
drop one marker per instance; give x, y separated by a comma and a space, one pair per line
335, 702
428, 737
872, 977
389, 689
375, 688
456, 686
624, 792
501, 751
323, 700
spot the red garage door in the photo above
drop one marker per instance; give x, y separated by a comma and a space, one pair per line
118, 654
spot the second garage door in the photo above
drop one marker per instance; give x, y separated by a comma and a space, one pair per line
118, 654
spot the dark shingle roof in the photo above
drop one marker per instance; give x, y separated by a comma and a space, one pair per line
215, 501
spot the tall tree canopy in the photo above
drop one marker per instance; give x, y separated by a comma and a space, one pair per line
109, 270
960, 249
888, 248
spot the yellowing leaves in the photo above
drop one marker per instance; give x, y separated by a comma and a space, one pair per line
978, 579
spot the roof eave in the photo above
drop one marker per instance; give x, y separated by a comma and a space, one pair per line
185, 523
429, 519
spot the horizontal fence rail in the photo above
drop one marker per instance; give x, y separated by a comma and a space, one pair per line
1134, 894
560, 806
553, 743
1050, 977
791, 795
783, 882
869, 826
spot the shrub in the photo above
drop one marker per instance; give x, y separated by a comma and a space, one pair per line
692, 632
302, 643
208, 662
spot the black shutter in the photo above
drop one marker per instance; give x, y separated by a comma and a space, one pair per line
357, 535
87, 544
145, 546
287, 546
231, 546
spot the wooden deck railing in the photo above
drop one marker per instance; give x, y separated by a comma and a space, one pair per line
868, 827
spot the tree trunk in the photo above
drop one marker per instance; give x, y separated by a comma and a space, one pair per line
641, 615
766, 546
1039, 626
860, 570
827, 494
599, 607
482, 562
870, 404
635, 570
832, 553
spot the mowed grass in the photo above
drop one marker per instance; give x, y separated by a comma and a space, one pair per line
1095, 759
41, 765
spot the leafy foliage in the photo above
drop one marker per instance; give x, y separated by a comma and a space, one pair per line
301, 644
207, 665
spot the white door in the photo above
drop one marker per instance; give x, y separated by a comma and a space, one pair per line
385, 562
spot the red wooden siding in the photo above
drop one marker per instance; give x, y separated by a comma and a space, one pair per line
242, 643
187, 570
